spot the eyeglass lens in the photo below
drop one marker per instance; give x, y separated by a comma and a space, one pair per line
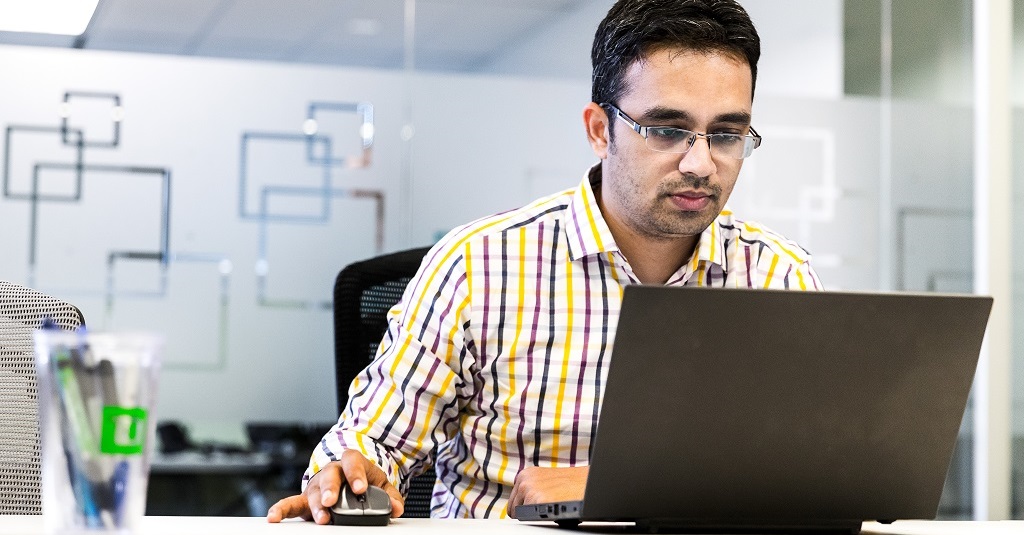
680, 141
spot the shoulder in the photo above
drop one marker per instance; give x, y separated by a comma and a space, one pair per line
542, 211
761, 239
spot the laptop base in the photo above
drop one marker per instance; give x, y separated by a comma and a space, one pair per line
668, 526
677, 527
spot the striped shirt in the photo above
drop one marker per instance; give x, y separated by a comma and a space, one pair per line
498, 351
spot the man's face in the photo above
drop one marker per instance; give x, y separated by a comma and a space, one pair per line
664, 195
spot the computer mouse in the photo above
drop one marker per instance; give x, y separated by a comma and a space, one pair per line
372, 508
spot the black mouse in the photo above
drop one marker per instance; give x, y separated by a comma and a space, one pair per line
373, 508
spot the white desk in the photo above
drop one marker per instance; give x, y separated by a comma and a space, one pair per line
194, 525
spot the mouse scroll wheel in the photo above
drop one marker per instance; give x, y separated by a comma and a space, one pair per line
361, 498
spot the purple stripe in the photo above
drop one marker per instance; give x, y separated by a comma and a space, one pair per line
534, 325
579, 232
414, 418
442, 318
482, 348
583, 366
497, 363
746, 252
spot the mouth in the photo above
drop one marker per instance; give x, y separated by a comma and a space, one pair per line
691, 201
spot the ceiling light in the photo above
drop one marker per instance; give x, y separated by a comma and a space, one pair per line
61, 17
364, 27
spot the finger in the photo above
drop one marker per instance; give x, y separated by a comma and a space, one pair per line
290, 507
397, 502
353, 464
373, 475
514, 496
329, 485
512, 499
326, 481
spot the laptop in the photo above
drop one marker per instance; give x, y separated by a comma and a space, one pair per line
761, 410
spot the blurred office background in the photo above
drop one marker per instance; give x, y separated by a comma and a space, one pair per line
204, 168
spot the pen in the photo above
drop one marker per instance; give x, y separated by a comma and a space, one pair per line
80, 444
120, 484
119, 478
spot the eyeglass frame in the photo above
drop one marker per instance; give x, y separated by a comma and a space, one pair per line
642, 130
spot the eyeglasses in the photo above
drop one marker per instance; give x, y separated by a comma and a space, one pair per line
680, 141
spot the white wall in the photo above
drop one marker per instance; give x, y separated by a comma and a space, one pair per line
482, 144
801, 56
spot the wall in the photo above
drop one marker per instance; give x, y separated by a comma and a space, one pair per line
800, 56
481, 143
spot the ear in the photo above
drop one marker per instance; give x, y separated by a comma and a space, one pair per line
596, 122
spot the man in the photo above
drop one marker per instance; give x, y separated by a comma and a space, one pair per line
497, 354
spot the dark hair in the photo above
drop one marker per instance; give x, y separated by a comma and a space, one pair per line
632, 29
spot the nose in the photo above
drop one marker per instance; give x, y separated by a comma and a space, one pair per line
698, 160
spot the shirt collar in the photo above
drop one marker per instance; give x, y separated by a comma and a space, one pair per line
711, 245
586, 231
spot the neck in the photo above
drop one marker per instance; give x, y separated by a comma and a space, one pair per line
653, 260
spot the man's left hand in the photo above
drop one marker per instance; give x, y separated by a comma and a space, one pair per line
542, 485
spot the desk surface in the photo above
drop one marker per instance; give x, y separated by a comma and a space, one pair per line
177, 525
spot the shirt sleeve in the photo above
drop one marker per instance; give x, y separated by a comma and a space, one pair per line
803, 277
783, 271
409, 398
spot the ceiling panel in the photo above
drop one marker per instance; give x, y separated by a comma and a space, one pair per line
138, 41
469, 26
344, 35
356, 56
177, 17
276, 19
450, 34
388, 14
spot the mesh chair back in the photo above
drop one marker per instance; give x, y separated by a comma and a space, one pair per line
22, 311
363, 294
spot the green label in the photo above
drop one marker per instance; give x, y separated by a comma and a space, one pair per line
124, 430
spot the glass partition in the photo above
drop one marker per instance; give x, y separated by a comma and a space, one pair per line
1017, 389
865, 107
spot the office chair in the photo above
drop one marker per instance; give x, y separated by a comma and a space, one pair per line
22, 311
363, 294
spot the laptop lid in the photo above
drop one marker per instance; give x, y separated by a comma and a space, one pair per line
780, 408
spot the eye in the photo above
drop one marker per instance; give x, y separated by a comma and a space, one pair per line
727, 139
667, 133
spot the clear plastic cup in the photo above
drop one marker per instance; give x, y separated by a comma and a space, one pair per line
96, 398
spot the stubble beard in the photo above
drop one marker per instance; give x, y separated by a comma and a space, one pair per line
657, 218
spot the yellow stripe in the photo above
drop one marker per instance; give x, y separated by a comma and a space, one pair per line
593, 223
450, 349
565, 361
360, 441
430, 409
800, 277
771, 271
513, 353
611, 265
444, 260
471, 477
400, 354
768, 237
700, 274
787, 251
714, 242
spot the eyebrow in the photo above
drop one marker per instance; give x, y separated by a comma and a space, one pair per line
661, 113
